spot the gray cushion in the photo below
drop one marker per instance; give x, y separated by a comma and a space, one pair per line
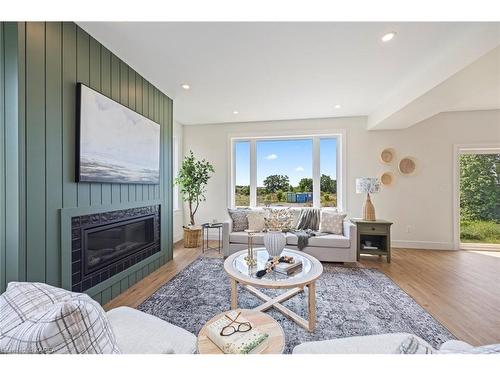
329, 240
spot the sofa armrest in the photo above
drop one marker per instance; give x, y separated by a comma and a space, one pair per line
349, 229
227, 228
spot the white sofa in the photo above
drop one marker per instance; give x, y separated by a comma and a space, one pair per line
374, 344
325, 248
140, 333
40, 318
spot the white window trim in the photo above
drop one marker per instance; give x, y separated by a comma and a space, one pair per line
253, 137
461, 149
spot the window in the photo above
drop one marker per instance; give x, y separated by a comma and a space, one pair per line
328, 171
286, 171
242, 173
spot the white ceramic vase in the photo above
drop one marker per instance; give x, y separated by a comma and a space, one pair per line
275, 243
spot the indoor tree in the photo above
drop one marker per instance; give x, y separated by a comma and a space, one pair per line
192, 180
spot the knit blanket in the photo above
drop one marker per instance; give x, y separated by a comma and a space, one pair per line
309, 219
307, 226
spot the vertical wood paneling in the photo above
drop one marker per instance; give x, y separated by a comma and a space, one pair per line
2, 160
14, 97
70, 192
95, 83
53, 164
35, 151
83, 75
48, 59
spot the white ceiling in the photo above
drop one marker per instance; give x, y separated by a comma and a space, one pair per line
276, 71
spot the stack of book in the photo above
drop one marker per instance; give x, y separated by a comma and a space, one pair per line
249, 342
288, 268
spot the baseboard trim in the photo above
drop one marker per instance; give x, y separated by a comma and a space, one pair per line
423, 245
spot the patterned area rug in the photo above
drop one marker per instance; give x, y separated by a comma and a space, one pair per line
350, 302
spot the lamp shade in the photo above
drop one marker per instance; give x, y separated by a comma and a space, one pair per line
367, 185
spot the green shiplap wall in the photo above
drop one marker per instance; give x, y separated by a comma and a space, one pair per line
52, 57
2, 160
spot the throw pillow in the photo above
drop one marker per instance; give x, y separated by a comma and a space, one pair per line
332, 222
412, 345
278, 219
239, 218
294, 217
256, 220
39, 318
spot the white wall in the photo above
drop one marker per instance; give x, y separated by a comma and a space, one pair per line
423, 202
178, 214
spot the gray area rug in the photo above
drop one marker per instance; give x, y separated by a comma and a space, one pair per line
350, 302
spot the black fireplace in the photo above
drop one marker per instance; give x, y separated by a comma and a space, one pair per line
108, 243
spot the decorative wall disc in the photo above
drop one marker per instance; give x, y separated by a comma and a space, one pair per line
407, 165
387, 155
387, 178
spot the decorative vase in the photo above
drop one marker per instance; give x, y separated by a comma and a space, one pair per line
275, 243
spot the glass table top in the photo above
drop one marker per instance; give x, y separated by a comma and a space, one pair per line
262, 257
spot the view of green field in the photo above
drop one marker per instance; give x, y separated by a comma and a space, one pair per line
480, 198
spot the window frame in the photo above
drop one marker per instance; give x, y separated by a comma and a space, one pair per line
339, 135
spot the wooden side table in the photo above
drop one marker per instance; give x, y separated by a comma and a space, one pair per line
374, 237
262, 322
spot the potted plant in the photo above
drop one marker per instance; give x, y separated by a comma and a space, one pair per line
192, 180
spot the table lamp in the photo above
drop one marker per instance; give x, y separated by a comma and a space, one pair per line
368, 185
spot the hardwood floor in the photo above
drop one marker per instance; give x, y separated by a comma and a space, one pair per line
461, 289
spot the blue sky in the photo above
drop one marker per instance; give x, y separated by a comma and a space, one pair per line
286, 157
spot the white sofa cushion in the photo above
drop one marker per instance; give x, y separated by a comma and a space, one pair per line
376, 344
39, 318
242, 237
329, 240
140, 333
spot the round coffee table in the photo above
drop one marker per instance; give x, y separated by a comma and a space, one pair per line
240, 273
263, 322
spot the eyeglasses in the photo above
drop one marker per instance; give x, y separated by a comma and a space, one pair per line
230, 329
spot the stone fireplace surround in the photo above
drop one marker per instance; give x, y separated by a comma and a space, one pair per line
80, 281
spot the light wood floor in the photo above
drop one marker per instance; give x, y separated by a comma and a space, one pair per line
461, 289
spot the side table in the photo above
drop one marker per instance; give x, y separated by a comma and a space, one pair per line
204, 237
259, 320
374, 237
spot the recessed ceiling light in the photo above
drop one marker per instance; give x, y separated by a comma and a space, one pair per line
235, 112
185, 86
389, 36
337, 106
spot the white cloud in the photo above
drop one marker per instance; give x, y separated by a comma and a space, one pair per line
272, 157
299, 169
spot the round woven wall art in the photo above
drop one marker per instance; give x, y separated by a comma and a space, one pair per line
387, 178
407, 165
387, 155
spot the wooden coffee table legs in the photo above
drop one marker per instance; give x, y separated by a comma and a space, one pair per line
275, 302
234, 294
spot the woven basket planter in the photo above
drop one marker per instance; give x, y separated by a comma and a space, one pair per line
192, 237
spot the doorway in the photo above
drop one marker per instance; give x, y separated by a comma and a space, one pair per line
477, 198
